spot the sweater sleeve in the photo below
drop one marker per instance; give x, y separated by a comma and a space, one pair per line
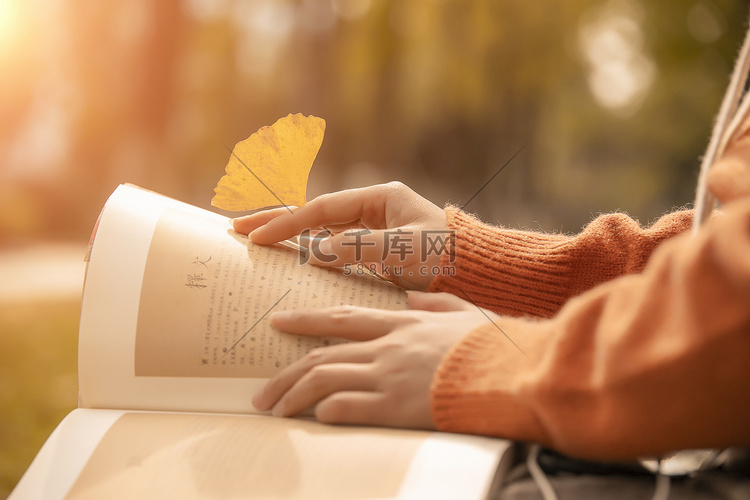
643, 364
524, 273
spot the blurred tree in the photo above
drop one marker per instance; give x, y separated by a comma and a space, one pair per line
611, 100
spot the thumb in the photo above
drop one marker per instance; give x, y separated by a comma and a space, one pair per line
437, 302
249, 223
350, 247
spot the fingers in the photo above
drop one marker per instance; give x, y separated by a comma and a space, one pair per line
362, 323
325, 364
358, 408
437, 302
321, 382
383, 381
364, 408
371, 408
350, 322
391, 247
344, 393
342, 207
247, 224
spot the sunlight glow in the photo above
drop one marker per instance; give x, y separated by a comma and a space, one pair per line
620, 71
10, 21
263, 27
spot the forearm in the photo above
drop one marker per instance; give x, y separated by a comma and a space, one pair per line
641, 365
525, 273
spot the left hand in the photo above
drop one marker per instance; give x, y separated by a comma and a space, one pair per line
382, 380
384, 226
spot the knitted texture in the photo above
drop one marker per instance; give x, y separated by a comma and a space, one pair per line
651, 361
480, 370
643, 364
524, 273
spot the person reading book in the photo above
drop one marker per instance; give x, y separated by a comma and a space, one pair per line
174, 335
617, 342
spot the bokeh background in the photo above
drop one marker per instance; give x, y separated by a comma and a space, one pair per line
608, 104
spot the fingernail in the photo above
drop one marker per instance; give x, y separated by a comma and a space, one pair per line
281, 316
325, 246
258, 401
277, 411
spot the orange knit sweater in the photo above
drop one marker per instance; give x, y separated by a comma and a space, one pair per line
632, 341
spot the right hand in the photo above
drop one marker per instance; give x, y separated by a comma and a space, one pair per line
381, 378
380, 211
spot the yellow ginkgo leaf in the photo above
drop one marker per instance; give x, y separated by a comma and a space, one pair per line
271, 166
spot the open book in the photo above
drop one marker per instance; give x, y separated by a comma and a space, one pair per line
175, 340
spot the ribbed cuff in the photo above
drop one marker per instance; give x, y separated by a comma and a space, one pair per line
508, 271
481, 385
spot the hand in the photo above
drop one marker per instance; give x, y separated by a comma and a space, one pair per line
382, 380
380, 210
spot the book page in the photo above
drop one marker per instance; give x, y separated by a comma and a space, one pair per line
192, 457
64, 454
152, 337
207, 294
116, 454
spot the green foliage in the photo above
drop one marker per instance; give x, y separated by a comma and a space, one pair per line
39, 383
